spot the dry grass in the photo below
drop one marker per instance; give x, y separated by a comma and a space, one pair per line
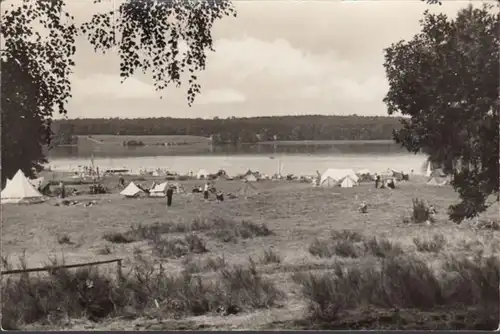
434, 245
88, 293
333, 251
406, 282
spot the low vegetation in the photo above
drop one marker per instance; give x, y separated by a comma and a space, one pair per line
223, 229
434, 244
402, 282
270, 256
145, 288
349, 244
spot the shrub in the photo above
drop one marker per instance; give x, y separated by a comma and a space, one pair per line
463, 286
270, 256
179, 247
321, 248
382, 247
420, 212
88, 293
200, 265
435, 245
348, 235
118, 237
64, 240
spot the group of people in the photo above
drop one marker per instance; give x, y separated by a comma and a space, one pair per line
380, 184
219, 196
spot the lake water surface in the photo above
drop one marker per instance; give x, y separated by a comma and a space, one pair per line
297, 159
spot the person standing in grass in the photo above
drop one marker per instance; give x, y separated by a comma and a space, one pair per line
205, 191
63, 189
170, 194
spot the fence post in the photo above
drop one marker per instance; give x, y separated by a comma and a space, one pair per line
119, 270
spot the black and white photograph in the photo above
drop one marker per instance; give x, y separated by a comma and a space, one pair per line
213, 165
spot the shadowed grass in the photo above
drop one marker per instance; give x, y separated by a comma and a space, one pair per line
434, 245
270, 256
382, 248
405, 282
223, 229
193, 265
89, 293
178, 247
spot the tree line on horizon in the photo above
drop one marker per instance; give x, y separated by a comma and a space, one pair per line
235, 130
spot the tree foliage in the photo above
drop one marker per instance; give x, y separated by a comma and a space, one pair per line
166, 39
446, 79
245, 130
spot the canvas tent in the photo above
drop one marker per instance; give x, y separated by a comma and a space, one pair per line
247, 189
131, 190
347, 182
336, 175
159, 190
20, 190
202, 174
437, 181
250, 178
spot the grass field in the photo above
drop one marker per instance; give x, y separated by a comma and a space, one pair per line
291, 257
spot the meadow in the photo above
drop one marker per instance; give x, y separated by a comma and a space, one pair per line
289, 257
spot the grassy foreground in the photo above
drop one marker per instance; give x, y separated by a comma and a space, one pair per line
290, 257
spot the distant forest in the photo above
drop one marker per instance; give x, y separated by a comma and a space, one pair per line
234, 130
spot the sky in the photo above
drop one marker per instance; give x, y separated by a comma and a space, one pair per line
274, 58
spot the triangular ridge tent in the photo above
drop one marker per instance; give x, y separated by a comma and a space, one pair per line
338, 174
328, 182
347, 182
19, 190
132, 190
435, 181
202, 174
250, 178
160, 190
247, 190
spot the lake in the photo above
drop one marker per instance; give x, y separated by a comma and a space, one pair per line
299, 159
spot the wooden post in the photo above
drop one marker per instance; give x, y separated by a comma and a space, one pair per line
119, 270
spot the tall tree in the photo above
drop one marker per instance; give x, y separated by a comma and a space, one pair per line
36, 64
446, 79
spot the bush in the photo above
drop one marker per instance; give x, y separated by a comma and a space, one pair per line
435, 245
348, 235
463, 286
201, 265
118, 237
270, 256
382, 247
179, 247
343, 243
420, 212
88, 293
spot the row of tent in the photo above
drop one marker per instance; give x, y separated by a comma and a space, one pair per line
159, 190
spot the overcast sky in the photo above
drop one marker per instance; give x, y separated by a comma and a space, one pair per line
275, 58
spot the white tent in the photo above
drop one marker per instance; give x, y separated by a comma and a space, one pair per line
347, 182
434, 181
131, 190
250, 178
20, 190
159, 190
328, 182
202, 174
429, 170
247, 190
338, 174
